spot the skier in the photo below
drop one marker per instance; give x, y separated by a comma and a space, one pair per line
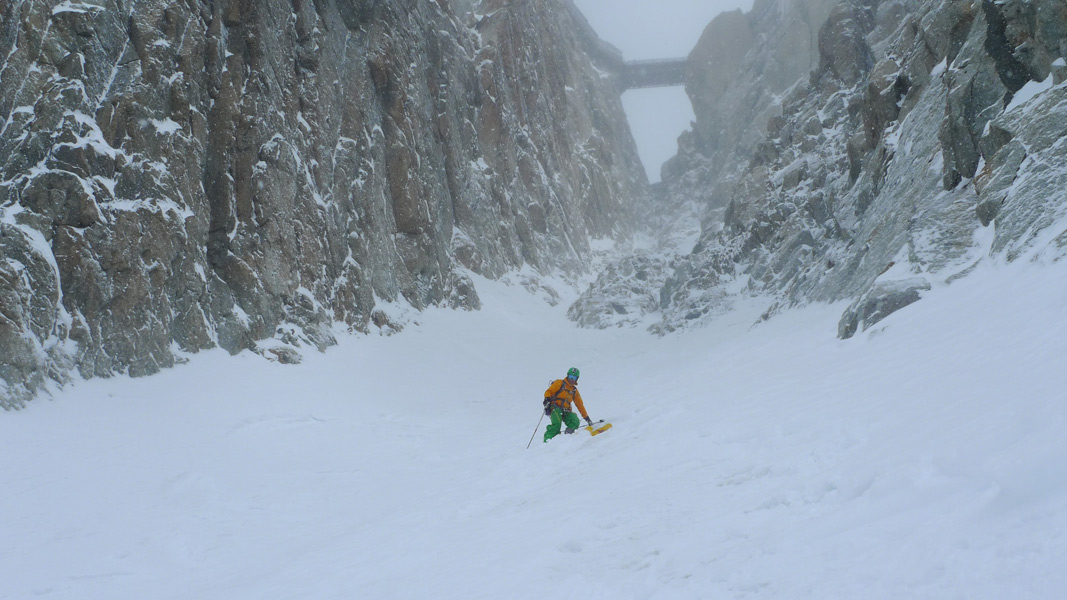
558, 398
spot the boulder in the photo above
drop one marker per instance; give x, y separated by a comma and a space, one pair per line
881, 300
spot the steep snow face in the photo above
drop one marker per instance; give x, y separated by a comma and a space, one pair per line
179, 176
922, 459
922, 124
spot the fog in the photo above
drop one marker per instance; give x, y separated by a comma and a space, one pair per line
646, 30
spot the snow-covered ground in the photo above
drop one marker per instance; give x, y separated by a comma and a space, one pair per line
926, 458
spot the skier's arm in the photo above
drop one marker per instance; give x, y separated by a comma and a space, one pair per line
580, 405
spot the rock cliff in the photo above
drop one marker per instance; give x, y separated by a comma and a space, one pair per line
738, 73
928, 137
176, 176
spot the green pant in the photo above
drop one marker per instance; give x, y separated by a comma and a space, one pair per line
559, 417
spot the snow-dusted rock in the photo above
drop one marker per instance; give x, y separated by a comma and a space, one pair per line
178, 176
623, 293
738, 73
884, 298
923, 123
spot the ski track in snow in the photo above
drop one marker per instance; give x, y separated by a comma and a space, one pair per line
921, 459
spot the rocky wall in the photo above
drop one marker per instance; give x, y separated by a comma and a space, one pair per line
176, 176
928, 138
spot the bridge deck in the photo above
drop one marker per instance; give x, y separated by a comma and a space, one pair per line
653, 73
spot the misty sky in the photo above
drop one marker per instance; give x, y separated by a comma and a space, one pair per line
644, 29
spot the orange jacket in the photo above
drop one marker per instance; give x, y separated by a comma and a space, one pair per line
563, 393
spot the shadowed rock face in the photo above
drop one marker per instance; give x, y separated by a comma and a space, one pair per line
738, 72
182, 175
884, 166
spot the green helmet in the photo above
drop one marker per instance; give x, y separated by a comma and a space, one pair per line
573, 373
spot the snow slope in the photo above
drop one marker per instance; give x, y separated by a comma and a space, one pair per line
921, 459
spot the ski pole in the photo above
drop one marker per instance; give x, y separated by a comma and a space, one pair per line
535, 430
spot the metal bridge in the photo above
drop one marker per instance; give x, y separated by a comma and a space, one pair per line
665, 72
627, 74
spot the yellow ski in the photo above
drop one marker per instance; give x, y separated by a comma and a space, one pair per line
600, 429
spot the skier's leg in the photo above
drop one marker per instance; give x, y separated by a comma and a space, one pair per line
572, 421
553, 426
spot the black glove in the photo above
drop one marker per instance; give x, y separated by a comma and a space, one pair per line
590, 421
548, 410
